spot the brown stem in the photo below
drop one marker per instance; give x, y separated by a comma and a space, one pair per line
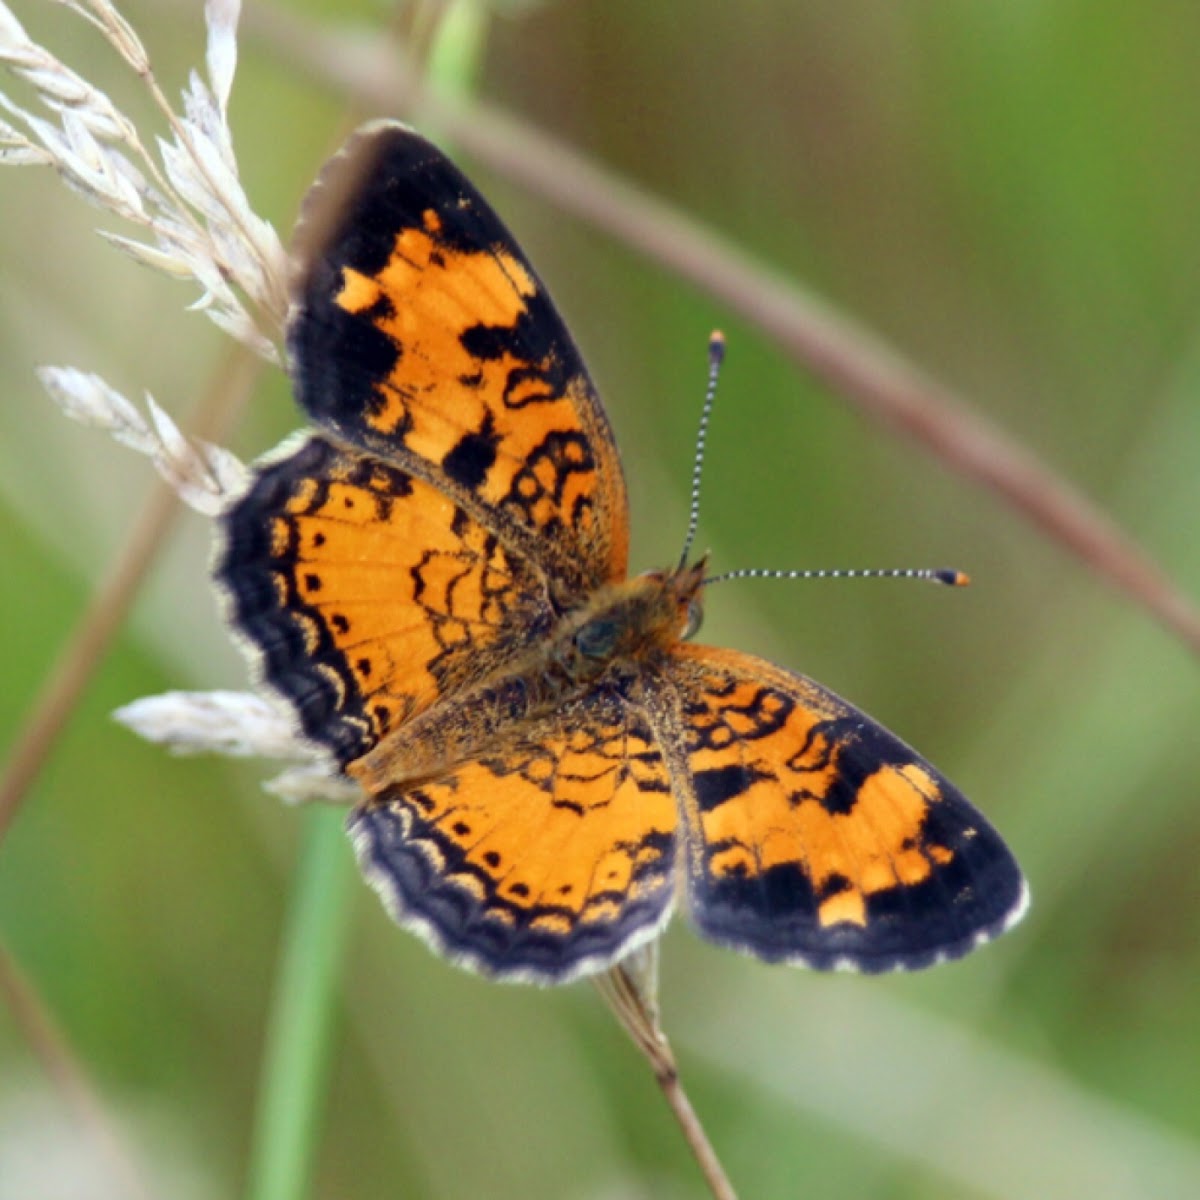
64, 1068
630, 989
848, 357
85, 647
685, 1114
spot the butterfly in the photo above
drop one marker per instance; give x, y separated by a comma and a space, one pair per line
435, 581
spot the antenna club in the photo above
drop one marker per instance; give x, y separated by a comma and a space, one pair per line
716, 347
951, 578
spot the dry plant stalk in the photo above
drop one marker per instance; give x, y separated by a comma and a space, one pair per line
197, 225
188, 201
854, 363
630, 990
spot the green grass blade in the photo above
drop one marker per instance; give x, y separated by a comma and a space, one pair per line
302, 1023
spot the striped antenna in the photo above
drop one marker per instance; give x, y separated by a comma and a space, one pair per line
716, 356
945, 575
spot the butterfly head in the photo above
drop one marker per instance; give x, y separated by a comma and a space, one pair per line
675, 599
633, 620
687, 587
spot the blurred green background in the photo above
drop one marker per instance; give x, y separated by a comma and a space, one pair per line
1010, 194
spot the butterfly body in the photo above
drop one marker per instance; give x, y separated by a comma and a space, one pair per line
436, 582
624, 633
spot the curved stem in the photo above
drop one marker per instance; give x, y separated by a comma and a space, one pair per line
631, 991
853, 361
60, 1062
87, 643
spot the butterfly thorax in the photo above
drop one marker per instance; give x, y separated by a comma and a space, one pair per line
627, 624
615, 637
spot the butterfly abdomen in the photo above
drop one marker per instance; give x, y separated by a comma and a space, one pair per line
615, 636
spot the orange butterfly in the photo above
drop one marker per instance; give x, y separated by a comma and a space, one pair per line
436, 582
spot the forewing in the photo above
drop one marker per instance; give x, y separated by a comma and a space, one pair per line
365, 593
421, 334
816, 836
548, 859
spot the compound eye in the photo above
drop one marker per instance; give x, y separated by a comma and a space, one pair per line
597, 639
695, 618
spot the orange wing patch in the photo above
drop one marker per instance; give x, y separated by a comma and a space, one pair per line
368, 594
544, 860
422, 335
445, 294
816, 836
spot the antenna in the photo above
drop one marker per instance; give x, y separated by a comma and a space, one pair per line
944, 575
948, 576
716, 356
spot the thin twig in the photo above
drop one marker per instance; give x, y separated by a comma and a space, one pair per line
65, 1069
849, 358
697, 1139
84, 648
630, 990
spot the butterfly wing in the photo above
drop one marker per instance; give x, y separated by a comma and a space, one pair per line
364, 594
814, 835
547, 859
466, 485
422, 335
